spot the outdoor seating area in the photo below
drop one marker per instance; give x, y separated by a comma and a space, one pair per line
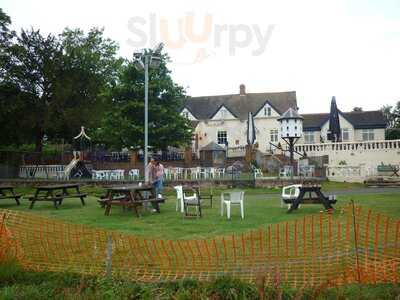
131, 197
295, 195
56, 194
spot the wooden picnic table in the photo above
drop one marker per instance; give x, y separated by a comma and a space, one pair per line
131, 196
7, 192
56, 194
318, 198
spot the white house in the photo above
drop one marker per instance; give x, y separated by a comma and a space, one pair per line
223, 119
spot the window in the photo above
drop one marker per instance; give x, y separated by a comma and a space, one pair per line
223, 113
309, 137
186, 114
267, 111
273, 135
222, 137
368, 134
345, 134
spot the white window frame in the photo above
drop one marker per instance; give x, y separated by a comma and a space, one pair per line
267, 111
221, 139
345, 131
223, 113
309, 137
368, 134
274, 135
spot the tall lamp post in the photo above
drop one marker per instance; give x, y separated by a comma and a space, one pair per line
291, 130
142, 61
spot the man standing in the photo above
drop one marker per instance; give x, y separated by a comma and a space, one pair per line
158, 177
155, 171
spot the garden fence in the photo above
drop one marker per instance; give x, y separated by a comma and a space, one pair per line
351, 246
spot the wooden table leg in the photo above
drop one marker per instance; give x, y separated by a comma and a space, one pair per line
82, 198
131, 198
108, 203
296, 202
324, 200
34, 198
15, 197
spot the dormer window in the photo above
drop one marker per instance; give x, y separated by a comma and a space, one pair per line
223, 113
267, 111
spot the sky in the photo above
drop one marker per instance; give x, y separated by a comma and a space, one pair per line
319, 48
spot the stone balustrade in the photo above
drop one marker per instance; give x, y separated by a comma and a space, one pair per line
349, 146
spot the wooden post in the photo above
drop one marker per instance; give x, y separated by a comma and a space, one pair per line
188, 156
109, 256
133, 158
249, 153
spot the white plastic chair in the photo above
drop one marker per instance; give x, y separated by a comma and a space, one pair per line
220, 172
167, 174
258, 173
290, 192
203, 173
235, 198
179, 198
194, 173
99, 175
134, 174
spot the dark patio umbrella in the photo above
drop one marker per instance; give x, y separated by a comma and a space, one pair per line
251, 129
334, 134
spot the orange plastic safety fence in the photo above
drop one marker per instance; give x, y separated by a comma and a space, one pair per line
354, 246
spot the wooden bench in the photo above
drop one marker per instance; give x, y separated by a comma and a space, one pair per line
126, 204
312, 200
384, 169
7, 192
56, 194
130, 196
317, 198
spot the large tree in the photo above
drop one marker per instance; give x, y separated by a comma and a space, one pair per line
123, 125
55, 83
392, 115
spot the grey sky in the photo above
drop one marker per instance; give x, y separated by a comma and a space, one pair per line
349, 49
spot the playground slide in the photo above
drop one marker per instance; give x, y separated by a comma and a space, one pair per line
70, 166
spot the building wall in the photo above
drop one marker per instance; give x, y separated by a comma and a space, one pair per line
368, 154
237, 132
343, 124
379, 134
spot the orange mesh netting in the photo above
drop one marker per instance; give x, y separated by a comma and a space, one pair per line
358, 246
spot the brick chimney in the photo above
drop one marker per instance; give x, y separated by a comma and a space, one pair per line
242, 89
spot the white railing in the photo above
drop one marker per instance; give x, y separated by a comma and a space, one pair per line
239, 151
349, 146
40, 171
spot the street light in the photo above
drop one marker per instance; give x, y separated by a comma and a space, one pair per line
142, 60
291, 130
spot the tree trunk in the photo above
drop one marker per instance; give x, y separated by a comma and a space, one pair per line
39, 139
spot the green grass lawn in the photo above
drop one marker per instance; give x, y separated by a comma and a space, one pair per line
262, 207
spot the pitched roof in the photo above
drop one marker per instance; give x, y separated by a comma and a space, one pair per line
359, 119
204, 108
290, 114
212, 147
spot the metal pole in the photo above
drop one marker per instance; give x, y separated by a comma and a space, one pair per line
291, 143
146, 115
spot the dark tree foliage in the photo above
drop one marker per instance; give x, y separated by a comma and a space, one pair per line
52, 85
124, 124
392, 115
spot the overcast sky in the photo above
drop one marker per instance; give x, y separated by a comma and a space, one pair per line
346, 48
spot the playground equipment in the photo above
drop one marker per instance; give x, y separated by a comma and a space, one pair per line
77, 168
